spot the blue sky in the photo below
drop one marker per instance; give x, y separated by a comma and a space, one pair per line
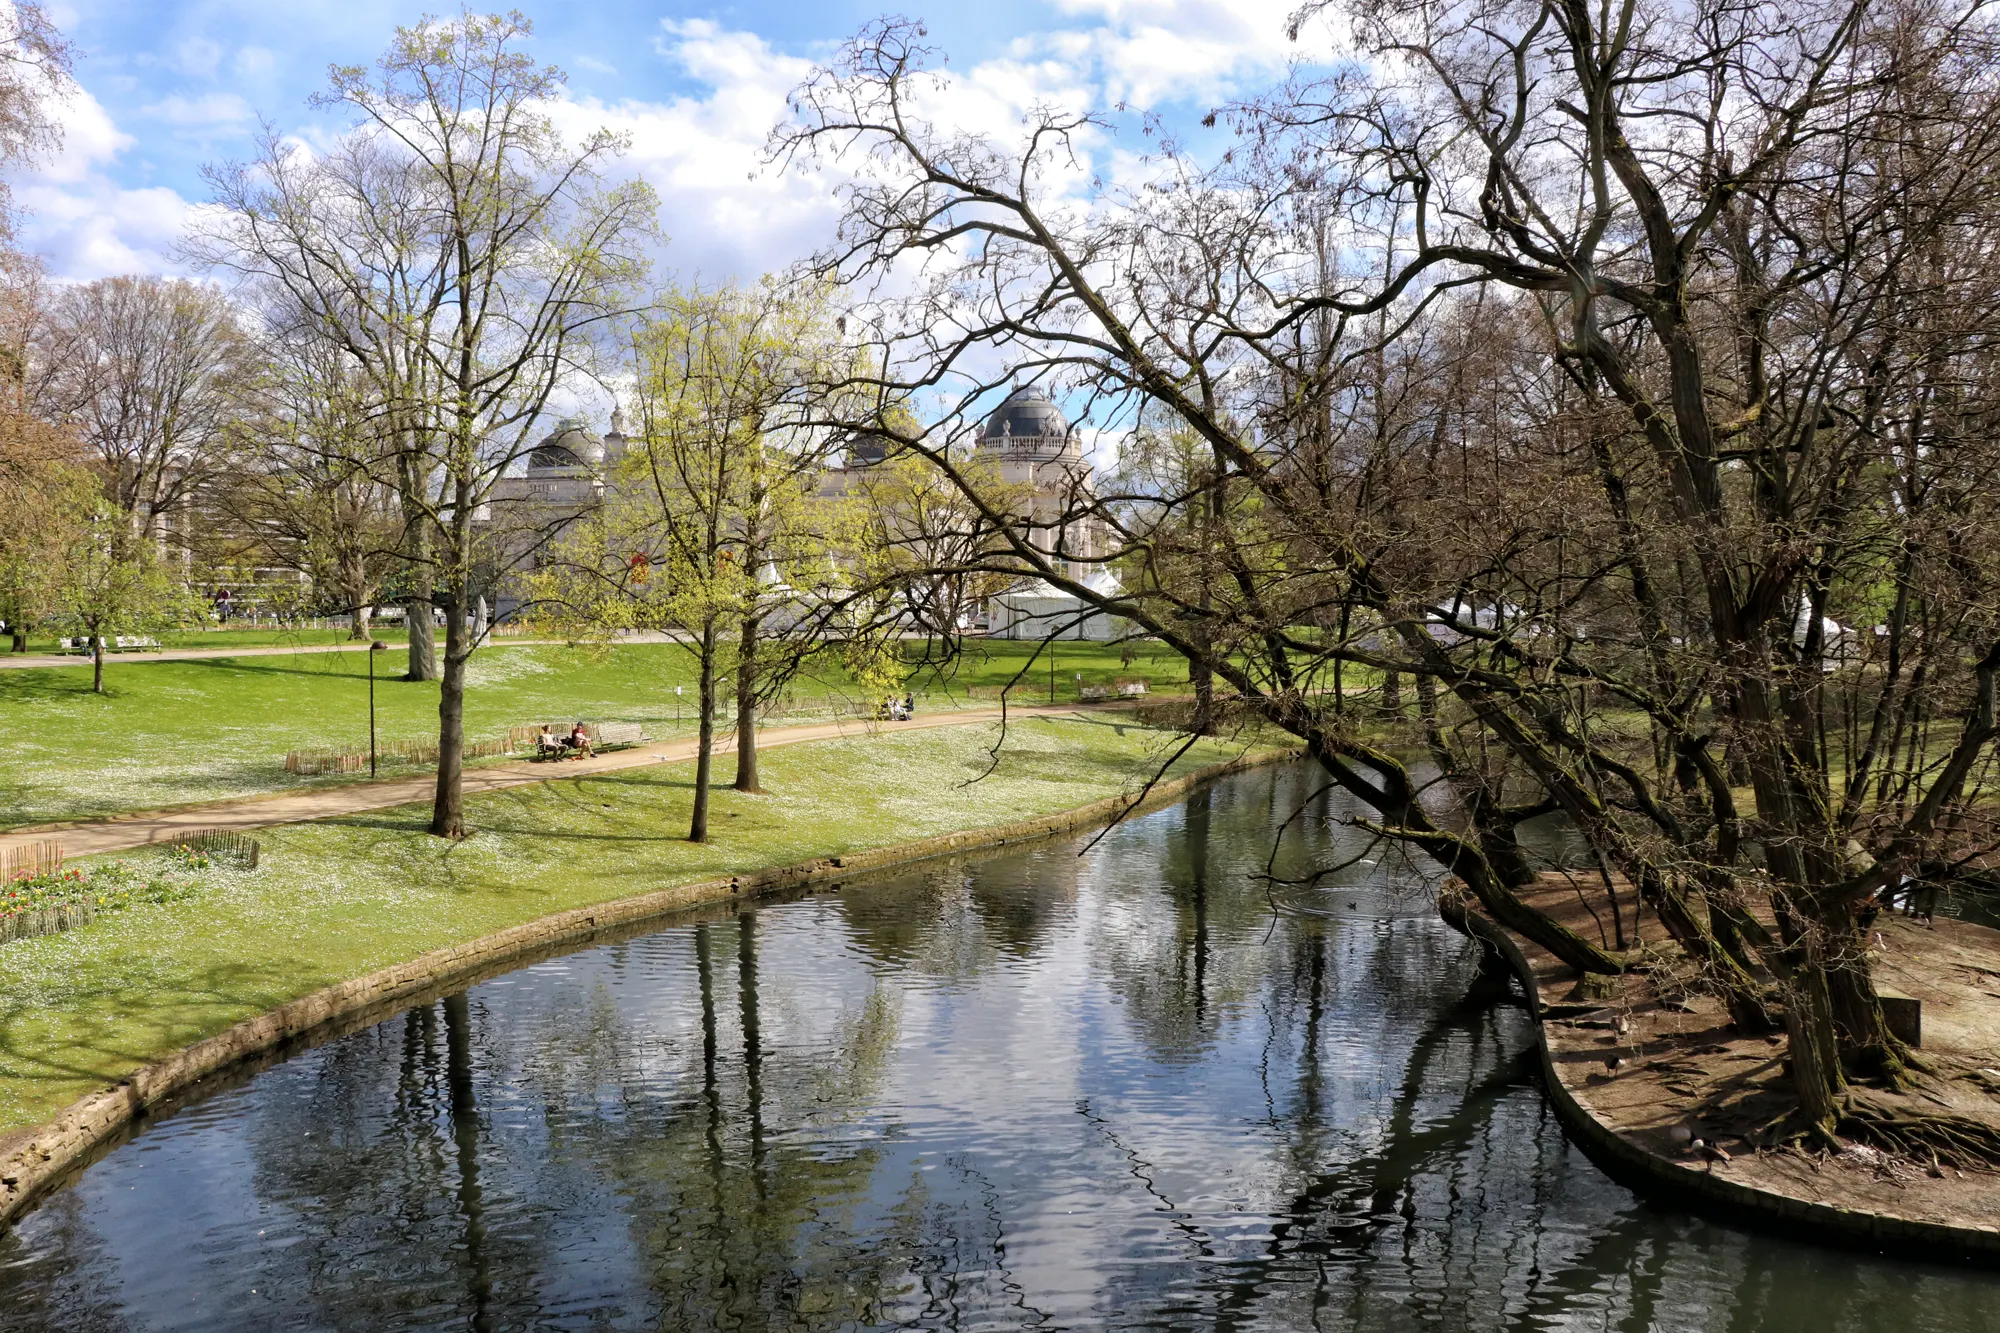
165, 87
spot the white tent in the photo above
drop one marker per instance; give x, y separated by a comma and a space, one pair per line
1040, 610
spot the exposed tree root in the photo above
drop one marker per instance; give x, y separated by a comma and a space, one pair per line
1926, 1136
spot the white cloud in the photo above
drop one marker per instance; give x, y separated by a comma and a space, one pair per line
90, 139
723, 213
99, 229
210, 111
1153, 52
83, 223
728, 214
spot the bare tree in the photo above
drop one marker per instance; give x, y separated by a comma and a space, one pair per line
151, 373
1596, 369
34, 73
312, 496
463, 253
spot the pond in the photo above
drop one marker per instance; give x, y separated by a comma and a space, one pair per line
1137, 1087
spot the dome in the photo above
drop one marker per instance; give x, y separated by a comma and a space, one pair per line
1027, 420
866, 449
553, 455
571, 445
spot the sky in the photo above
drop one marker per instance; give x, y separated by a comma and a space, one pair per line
165, 87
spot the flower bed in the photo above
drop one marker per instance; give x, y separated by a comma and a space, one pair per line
63, 899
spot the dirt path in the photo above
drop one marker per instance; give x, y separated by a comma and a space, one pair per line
146, 827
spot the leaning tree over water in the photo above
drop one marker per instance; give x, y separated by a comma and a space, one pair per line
1617, 377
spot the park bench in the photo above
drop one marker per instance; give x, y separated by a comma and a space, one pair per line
618, 736
603, 737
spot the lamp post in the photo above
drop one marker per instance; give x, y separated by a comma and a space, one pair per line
374, 647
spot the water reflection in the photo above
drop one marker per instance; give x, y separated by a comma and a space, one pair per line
1109, 1090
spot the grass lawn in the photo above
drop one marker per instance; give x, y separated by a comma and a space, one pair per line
171, 733
342, 897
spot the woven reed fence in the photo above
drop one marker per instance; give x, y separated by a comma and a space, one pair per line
423, 754
48, 921
41, 858
36, 859
223, 842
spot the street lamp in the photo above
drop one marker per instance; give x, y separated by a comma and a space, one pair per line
377, 646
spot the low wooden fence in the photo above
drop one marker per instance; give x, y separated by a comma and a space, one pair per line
35, 859
424, 754
48, 921
224, 843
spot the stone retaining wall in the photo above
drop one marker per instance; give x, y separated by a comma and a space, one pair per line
35, 1160
1656, 1177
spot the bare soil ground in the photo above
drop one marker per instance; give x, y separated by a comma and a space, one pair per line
1660, 1063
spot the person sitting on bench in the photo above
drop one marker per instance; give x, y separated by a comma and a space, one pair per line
579, 742
548, 744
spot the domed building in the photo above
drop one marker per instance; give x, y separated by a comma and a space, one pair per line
1030, 448
1033, 452
562, 480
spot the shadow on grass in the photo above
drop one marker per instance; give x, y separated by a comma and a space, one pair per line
38, 684
264, 667
135, 1020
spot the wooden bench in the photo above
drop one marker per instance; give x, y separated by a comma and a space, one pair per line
604, 736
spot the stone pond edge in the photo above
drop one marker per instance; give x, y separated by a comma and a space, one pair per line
36, 1160
1655, 1177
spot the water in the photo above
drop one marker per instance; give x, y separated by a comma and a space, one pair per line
1026, 1089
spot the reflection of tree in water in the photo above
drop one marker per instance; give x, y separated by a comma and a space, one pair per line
740, 1222
1167, 942
957, 919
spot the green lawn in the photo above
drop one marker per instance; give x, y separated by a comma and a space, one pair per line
342, 897
169, 733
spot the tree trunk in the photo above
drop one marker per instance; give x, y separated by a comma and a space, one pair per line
417, 607
1866, 1047
20, 633
448, 807
1815, 1059
97, 663
357, 600
1203, 723
423, 641
746, 706
705, 735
